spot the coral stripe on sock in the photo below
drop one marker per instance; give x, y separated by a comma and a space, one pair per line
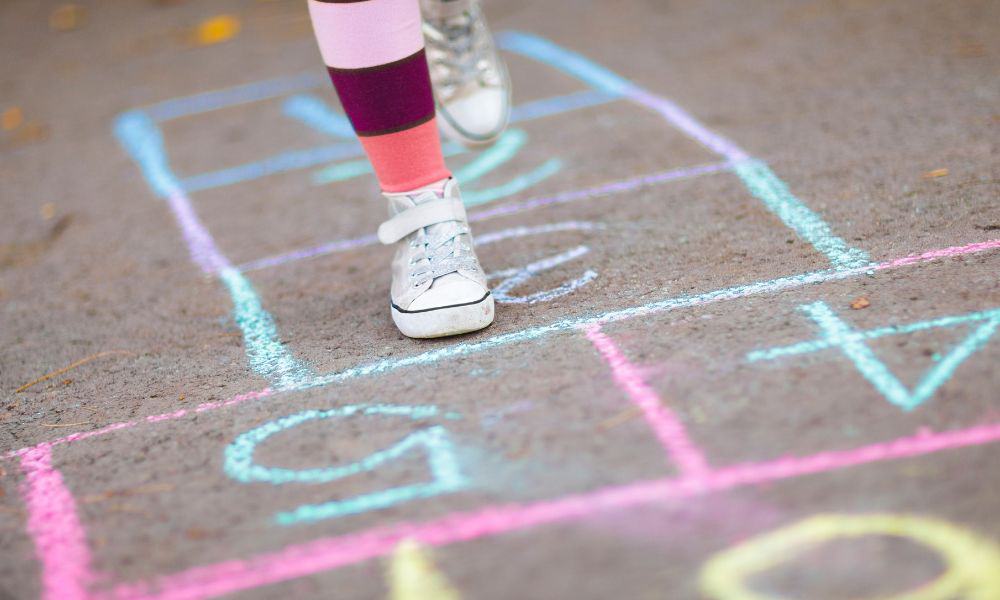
406, 160
355, 35
387, 98
374, 52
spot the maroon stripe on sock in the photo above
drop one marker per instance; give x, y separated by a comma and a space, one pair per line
386, 98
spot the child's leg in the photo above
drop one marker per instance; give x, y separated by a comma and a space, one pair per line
374, 52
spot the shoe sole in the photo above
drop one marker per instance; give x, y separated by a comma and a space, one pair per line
446, 320
455, 133
459, 136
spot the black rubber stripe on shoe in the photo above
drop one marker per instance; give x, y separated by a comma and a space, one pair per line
423, 310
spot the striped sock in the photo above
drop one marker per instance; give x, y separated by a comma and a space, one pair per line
374, 52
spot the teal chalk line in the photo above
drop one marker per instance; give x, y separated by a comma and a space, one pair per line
514, 186
838, 334
265, 352
494, 157
570, 324
871, 334
142, 139
505, 149
240, 465
762, 183
772, 191
341, 172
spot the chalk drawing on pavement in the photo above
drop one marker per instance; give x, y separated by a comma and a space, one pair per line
971, 562
412, 575
445, 472
518, 276
61, 541
837, 334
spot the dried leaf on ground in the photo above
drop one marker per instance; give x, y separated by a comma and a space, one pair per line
217, 29
861, 302
67, 17
11, 118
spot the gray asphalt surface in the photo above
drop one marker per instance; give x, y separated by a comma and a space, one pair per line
881, 117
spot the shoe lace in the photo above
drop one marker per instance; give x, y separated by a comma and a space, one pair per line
459, 50
440, 250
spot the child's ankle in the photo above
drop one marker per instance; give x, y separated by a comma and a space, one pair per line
436, 187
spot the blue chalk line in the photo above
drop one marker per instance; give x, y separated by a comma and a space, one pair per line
315, 113
318, 115
234, 96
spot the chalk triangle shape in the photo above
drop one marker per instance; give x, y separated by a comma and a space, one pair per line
943, 367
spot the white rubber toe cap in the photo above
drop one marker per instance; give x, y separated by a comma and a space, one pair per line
478, 118
450, 290
451, 306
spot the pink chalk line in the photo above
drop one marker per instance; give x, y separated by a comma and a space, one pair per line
666, 426
60, 540
333, 552
82, 435
939, 253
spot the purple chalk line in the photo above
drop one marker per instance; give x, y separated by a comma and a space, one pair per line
304, 253
200, 243
607, 189
686, 123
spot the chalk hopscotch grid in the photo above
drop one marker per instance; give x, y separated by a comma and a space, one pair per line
604, 190
138, 133
213, 580
338, 551
608, 86
760, 288
267, 356
65, 557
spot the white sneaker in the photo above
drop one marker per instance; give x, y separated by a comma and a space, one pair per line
471, 84
438, 287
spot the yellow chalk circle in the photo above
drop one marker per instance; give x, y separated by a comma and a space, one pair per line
972, 563
413, 576
217, 29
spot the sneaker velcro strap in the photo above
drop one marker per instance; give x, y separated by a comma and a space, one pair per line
420, 216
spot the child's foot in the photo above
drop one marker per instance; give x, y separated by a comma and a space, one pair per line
438, 287
470, 80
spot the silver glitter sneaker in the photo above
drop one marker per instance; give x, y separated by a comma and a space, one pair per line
438, 287
471, 84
